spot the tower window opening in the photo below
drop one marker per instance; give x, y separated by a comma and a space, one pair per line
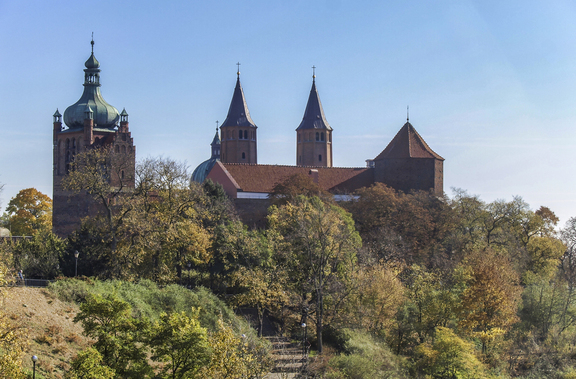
320, 158
245, 134
243, 155
239, 134
317, 136
122, 174
322, 136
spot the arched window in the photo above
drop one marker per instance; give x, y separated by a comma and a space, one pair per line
317, 136
227, 134
239, 134
320, 158
322, 136
330, 137
117, 149
67, 143
243, 155
122, 174
245, 134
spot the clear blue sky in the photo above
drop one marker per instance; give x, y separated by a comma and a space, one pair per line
491, 85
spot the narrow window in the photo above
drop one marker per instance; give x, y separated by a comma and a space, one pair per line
245, 134
322, 136
117, 149
243, 155
122, 174
320, 158
317, 136
239, 134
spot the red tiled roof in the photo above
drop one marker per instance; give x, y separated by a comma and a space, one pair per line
262, 178
408, 144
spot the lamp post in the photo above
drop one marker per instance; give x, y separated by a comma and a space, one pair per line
34, 359
76, 253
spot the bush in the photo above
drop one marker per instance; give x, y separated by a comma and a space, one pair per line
364, 357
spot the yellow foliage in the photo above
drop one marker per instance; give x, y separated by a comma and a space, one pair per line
13, 338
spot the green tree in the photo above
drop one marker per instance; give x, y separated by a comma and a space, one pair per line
40, 256
29, 212
180, 342
449, 357
88, 365
119, 336
320, 242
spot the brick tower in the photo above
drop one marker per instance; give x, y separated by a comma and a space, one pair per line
238, 131
90, 123
314, 135
408, 163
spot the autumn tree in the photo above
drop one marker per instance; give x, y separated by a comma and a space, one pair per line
491, 297
99, 172
321, 242
29, 212
295, 185
88, 365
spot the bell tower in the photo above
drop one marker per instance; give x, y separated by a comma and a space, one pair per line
314, 135
238, 131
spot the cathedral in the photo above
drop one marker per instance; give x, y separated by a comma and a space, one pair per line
407, 163
89, 123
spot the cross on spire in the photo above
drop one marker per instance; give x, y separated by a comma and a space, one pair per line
238, 72
216, 125
408, 113
313, 72
92, 42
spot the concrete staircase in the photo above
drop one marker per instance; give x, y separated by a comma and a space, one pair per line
287, 357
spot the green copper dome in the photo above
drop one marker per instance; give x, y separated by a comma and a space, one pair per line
104, 114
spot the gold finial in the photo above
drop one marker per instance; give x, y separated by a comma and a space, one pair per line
238, 72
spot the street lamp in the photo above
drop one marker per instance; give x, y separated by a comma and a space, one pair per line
34, 359
76, 253
305, 339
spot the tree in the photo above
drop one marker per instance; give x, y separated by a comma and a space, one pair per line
40, 256
88, 365
320, 242
182, 343
29, 212
13, 335
491, 297
293, 186
449, 357
119, 337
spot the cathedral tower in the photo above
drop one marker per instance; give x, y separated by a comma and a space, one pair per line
314, 135
90, 123
238, 131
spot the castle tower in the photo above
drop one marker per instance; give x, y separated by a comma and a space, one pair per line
90, 123
314, 135
238, 131
408, 163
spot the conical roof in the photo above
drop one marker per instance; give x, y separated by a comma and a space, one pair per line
314, 117
238, 114
408, 144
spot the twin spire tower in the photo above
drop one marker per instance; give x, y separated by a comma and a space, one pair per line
239, 133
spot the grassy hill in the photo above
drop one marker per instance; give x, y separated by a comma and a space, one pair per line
53, 336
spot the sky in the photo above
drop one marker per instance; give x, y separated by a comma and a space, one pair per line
491, 85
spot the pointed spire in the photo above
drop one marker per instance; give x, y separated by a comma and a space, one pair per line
314, 117
238, 114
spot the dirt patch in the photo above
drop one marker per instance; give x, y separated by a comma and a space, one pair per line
53, 336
